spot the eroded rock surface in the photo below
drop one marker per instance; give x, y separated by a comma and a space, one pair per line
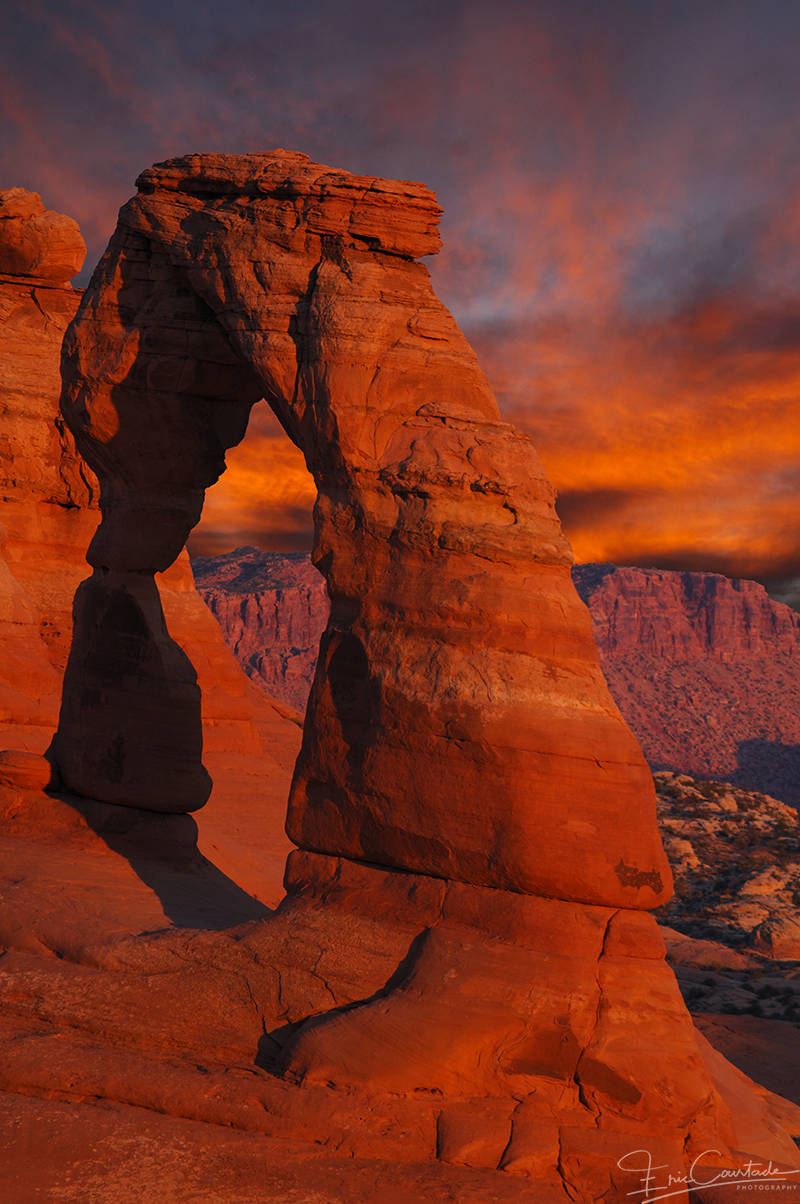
34, 241
47, 495
463, 968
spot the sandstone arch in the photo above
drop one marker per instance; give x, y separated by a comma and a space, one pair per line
459, 724
507, 981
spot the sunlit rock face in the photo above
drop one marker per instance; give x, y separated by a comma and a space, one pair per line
462, 958
458, 724
37, 242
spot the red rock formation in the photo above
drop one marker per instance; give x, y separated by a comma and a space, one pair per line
499, 1002
49, 515
432, 661
272, 609
35, 242
706, 670
46, 493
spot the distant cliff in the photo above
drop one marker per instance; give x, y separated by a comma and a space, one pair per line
684, 616
706, 670
272, 608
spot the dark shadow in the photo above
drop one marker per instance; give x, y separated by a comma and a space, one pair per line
769, 767
162, 850
130, 729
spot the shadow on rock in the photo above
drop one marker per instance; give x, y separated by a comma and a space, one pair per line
162, 850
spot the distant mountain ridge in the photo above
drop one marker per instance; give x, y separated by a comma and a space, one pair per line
705, 669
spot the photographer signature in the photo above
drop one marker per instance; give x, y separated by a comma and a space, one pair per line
654, 1187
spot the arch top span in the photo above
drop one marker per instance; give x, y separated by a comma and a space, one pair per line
459, 724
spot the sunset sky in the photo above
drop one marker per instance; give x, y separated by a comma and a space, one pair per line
621, 184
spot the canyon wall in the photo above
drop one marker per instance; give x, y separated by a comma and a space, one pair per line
705, 669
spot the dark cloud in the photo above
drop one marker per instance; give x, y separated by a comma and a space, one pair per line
622, 196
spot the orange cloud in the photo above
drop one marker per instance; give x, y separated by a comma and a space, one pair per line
264, 498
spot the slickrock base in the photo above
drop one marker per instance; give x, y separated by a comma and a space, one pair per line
377, 1014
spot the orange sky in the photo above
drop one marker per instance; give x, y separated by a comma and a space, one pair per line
672, 440
621, 187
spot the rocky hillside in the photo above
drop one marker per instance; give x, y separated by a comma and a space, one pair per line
706, 670
735, 855
733, 927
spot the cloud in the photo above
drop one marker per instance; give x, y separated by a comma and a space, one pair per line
622, 218
264, 498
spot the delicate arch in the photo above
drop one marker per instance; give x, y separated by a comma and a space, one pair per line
459, 724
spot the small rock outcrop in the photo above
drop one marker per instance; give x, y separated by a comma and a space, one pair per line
37, 242
463, 967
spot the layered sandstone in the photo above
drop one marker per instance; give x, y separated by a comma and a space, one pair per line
705, 669
463, 968
48, 496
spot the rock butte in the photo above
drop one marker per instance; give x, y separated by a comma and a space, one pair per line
462, 968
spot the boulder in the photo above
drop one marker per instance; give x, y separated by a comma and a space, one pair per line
36, 242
